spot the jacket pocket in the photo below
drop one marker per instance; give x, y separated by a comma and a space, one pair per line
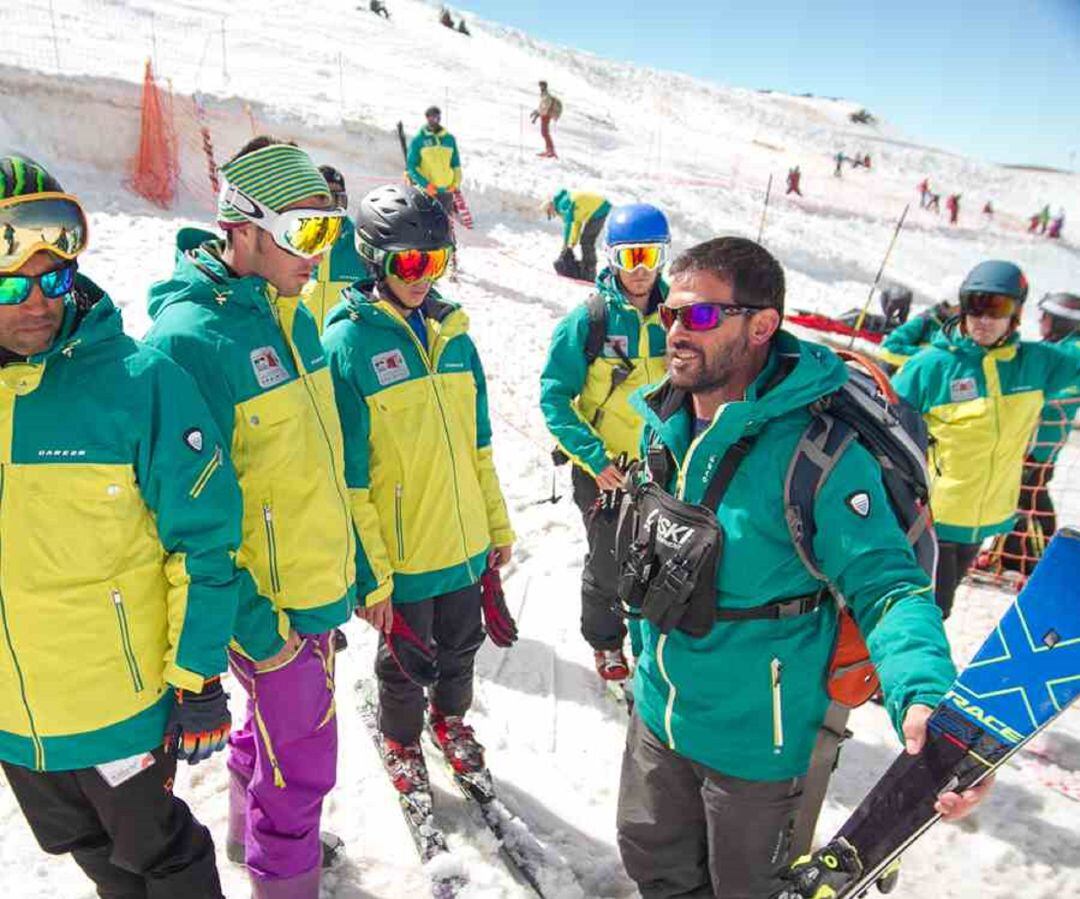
125, 640
399, 520
776, 673
271, 547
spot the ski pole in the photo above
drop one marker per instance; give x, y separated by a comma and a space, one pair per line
866, 306
764, 209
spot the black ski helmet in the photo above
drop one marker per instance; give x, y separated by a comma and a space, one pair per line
399, 217
1064, 311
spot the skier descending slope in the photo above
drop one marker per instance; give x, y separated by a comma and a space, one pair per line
232, 317
981, 391
425, 497
601, 353
119, 514
725, 722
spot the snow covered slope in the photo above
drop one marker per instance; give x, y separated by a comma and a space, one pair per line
337, 80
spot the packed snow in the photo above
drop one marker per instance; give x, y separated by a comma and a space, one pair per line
337, 82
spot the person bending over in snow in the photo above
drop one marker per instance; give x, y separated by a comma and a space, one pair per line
603, 351
583, 216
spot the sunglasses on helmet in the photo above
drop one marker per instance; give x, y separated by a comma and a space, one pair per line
702, 316
15, 289
46, 221
303, 232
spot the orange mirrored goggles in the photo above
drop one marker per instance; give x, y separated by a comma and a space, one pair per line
418, 265
994, 305
628, 257
47, 221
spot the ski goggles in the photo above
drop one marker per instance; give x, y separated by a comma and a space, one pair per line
303, 232
702, 316
630, 257
47, 221
15, 289
993, 305
412, 266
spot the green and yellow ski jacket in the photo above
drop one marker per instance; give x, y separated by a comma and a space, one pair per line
588, 413
748, 698
913, 335
338, 268
576, 207
433, 159
119, 512
258, 362
425, 497
981, 406
1058, 415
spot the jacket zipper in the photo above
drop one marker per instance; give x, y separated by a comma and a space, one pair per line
399, 524
271, 543
39, 749
993, 400
125, 640
776, 671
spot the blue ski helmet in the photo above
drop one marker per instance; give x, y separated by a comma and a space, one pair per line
636, 223
996, 276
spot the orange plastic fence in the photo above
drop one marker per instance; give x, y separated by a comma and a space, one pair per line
156, 167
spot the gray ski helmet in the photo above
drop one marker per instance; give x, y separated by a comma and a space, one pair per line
1064, 311
399, 217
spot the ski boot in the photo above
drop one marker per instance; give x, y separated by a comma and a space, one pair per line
464, 755
611, 664
405, 764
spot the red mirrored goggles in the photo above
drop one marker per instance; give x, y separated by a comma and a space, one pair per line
418, 265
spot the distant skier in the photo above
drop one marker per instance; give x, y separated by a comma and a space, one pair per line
924, 192
980, 423
988, 210
379, 8
866, 161
585, 393
952, 205
793, 178
548, 111
1057, 223
712, 775
434, 165
445, 19
934, 202
425, 497
462, 28
583, 216
1040, 220
839, 170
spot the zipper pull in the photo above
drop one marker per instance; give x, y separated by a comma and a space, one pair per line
117, 598
268, 513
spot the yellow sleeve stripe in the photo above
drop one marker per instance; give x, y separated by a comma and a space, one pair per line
208, 472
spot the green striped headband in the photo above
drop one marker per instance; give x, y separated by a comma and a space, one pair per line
277, 176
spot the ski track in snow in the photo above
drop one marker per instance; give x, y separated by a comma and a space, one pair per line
702, 152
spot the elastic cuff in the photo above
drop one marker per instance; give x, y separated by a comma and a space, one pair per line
379, 594
184, 679
503, 537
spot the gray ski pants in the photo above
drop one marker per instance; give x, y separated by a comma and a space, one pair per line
688, 831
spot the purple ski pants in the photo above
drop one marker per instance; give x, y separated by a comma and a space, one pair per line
282, 762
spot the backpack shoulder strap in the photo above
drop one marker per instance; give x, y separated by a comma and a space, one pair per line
725, 471
816, 455
598, 313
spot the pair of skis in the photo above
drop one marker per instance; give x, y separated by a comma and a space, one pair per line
520, 850
1024, 676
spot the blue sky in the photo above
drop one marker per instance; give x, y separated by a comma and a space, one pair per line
995, 79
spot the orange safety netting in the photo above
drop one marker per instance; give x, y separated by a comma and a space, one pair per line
1051, 475
156, 166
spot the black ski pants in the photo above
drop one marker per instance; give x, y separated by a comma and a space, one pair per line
688, 831
134, 841
454, 623
954, 559
601, 626
589, 236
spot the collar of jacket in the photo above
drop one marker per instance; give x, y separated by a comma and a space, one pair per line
607, 284
360, 303
796, 374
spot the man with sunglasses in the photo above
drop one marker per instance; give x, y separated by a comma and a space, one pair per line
724, 724
585, 397
981, 391
231, 315
119, 513
425, 496
583, 216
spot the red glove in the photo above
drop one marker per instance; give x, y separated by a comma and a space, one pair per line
498, 622
413, 656
431, 189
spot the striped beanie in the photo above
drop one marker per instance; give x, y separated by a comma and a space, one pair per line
276, 175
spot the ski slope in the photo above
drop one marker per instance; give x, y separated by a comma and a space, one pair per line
337, 81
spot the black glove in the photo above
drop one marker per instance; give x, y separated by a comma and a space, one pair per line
199, 723
824, 874
498, 622
413, 656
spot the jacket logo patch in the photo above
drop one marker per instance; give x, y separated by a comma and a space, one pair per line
193, 437
617, 346
267, 367
859, 503
961, 389
390, 367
